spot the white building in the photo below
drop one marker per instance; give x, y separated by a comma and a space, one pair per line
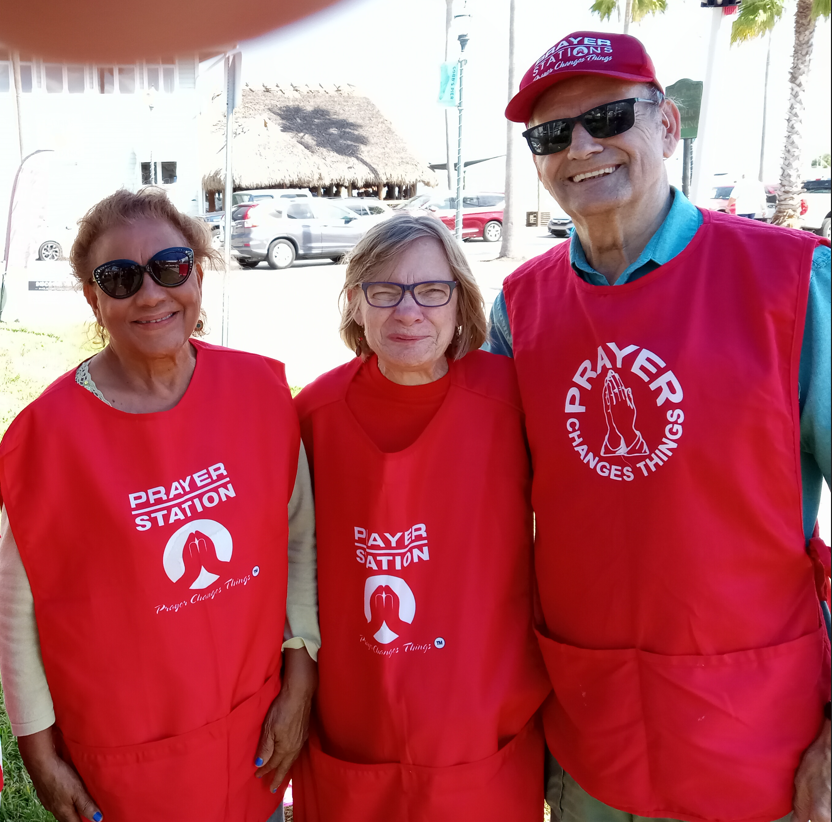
101, 127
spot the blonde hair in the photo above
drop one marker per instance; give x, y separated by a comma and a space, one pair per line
382, 245
124, 207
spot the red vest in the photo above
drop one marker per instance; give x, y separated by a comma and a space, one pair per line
155, 545
429, 674
684, 638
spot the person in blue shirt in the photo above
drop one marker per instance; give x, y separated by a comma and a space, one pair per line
627, 226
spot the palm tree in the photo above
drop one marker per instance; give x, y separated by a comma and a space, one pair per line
634, 10
756, 17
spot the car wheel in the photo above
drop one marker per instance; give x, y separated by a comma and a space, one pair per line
492, 231
50, 250
337, 259
825, 228
281, 254
248, 263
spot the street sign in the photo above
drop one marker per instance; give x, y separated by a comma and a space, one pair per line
687, 94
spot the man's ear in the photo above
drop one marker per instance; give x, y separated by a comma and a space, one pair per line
671, 126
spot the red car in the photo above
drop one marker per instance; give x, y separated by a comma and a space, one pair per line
482, 213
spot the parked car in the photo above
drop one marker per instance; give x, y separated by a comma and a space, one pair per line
482, 212
56, 242
560, 223
817, 195
721, 194
369, 209
282, 231
216, 219
258, 195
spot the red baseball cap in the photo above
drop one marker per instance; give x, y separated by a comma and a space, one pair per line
584, 52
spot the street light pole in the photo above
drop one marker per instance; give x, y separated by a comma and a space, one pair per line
460, 166
7, 249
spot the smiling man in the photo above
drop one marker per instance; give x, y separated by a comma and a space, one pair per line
675, 372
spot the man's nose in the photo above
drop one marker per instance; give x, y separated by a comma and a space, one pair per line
583, 144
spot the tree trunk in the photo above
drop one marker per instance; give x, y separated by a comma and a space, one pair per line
449, 20
788, 197
628, 15
511, 211
765, 113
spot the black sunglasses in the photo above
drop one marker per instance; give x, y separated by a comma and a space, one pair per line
602, 121
121, 279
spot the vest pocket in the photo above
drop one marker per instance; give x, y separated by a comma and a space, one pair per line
692, 737
341, 791
206, 774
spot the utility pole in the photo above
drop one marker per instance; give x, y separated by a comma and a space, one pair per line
464, 19
233, 91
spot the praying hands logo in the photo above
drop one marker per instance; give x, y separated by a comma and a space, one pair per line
623, 438
197, 554
389, 606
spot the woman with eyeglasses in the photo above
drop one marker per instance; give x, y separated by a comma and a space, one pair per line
149, 504
430, 678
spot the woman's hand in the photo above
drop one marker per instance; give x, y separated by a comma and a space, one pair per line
286, 726
60, 789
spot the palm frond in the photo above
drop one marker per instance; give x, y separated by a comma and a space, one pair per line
821, 8
604, 8
756, 18
641, 8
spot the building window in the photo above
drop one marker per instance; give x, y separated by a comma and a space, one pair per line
106, 80
5, 72
27, 74
54, 76
151, 172
126, 80
161, 77
60, 78
168, 174
76, 78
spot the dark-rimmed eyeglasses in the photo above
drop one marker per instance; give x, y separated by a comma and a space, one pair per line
429, 294
121, 279
602, 121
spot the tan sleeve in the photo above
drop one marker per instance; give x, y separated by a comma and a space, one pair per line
28, 701
302, 629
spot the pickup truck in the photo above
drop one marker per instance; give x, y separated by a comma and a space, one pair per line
817, 194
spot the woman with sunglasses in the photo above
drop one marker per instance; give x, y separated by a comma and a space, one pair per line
430, 678
144, 586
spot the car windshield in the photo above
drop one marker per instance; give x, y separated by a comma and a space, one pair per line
817, 185
722, 193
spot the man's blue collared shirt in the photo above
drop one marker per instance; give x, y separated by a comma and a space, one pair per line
815, 380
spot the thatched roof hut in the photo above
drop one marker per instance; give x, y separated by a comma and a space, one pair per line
308, 137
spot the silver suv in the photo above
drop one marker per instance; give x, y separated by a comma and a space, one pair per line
282, 231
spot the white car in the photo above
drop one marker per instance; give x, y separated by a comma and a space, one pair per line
56, 241
817, 194
369, 209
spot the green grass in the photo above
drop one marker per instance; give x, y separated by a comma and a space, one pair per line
29, 361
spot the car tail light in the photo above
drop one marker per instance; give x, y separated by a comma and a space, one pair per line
732, 209
804, 207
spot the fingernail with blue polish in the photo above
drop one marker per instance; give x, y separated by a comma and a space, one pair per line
258, 762
274, 790
97, 817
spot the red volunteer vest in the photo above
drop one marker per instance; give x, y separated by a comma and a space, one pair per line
683, 636
155, 545
429, 674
